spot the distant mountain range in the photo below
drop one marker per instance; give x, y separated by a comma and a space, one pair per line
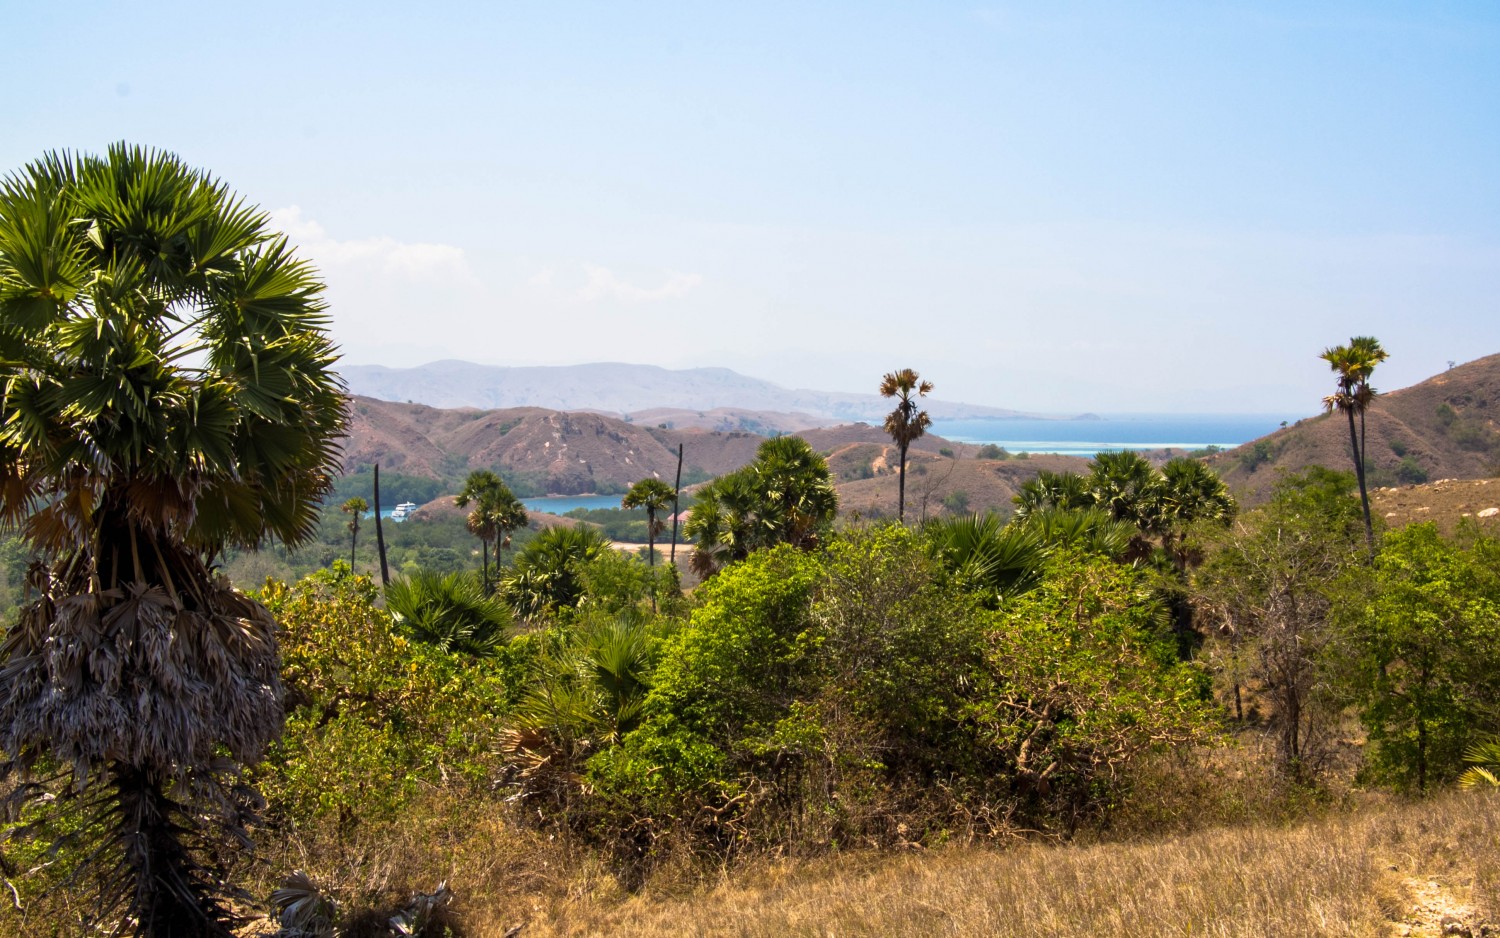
709, 398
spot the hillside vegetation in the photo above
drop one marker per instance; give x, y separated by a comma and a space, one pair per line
1443, 428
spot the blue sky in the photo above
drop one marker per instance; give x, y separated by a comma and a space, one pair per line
1049, 206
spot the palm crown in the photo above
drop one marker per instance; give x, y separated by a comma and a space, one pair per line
163, 359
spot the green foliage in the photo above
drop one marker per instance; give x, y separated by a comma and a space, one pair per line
991, 451
450, 612
1423, 630
1087, 679
732, 670
375, 715
547, 575
1267, 588
618, 582
583, 695
1256, 455
785, 496
1411, 472
806, 691
957, 502
618, 524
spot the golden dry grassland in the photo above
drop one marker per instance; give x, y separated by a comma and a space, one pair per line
1384, 868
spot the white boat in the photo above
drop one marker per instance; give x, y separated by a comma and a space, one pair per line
403, 511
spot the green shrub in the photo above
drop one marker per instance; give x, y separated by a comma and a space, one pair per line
372, 714
1422, 628
1411, 472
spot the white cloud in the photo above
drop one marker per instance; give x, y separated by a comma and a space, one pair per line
411, 261
604, 283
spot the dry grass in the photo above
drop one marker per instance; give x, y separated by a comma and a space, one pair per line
1385, 868
1397, 870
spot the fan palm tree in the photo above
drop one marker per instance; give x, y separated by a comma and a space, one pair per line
653, 495
1052, 491
496, 513
906, 423
1190, 493
986, 556
450, 611
168, 391
1353, 364
785, 496
355, 508
547, 573
1483, 758
1127, 486
797, 493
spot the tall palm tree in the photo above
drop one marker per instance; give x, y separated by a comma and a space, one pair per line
355, 508
1353, 364
168, 391
496, 513
654, 495
906, 423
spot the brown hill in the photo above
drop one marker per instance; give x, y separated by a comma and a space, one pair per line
564, 453
1444, 427
1446, 503
935, 484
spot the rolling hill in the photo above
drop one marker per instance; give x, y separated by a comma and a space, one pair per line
561, 453
1443, 428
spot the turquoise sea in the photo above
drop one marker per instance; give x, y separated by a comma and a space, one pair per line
1085, 437
551, 504
562, 504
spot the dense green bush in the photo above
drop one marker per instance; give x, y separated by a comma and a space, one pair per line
860, 694
1422, 641
372, 714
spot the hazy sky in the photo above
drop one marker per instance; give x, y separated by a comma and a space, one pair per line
1051, 206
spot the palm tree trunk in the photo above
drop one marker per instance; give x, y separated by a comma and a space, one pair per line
385, 570
484, 547
169, 895
651, 537
901, 489
353, 539
676, 494
1364, 495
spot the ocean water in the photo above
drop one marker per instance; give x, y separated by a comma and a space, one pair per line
562, 504
551, 504
1113, 432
